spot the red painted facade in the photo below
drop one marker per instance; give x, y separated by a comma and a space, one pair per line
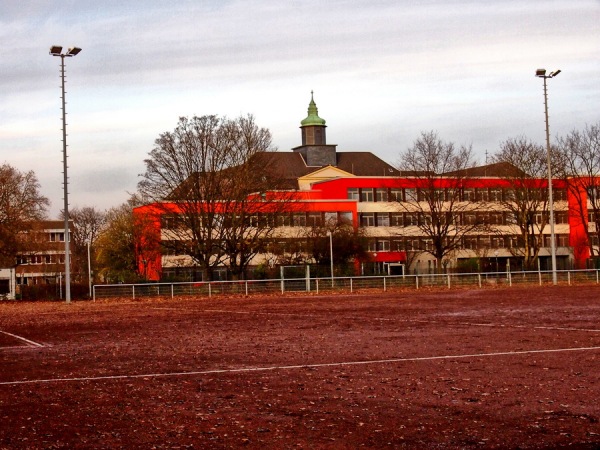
332, 196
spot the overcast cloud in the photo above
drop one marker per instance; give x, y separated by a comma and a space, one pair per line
382, 72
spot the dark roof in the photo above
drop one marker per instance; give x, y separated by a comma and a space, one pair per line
291, 165
499, 170
365, 164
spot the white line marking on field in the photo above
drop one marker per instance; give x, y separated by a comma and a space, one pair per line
35, 344
592, 330
299, 366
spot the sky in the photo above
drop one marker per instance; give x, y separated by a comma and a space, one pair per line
382, 72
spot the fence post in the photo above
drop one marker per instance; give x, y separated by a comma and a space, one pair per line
307, 276
384, 285
448, 281
246, 283
417, 280
317, 284
510, 279
209, 290
133, 290
172, 293
351, 291
540, 277
94, 293
569, 277
479, 277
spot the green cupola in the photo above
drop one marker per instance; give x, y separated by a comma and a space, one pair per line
314, 148
313, 127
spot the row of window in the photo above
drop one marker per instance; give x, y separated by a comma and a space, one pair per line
399, 219
466, 194
468, 243
297, 219
40, 259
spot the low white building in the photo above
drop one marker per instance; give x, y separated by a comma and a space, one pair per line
7, 284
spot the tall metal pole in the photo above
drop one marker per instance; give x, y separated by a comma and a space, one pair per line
65, 186
57, 51
89, 268
550, 196
542, 74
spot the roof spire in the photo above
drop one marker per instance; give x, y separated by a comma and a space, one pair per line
313, 114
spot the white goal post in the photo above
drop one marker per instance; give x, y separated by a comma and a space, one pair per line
295, 272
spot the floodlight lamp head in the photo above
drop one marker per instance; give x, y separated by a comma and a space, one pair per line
540, 73
73, 51
556, 72
55, 50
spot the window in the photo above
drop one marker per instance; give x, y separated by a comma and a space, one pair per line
559, 194
396, 220
496, 195
284, 220
498, 242
395, 195
299, 219
483, 195
469, 195
57, 237
484, 242
411, 219
483, 217
367, 220
353, 193
315, 219
396, 245
563, 240
366, 195
383, 220
470, 243
383, 246
372, 246
345, 217
381, 195
413, 244
470, 218
331, 218
510, 218
439, 195
496, 218
410, 195
561, 217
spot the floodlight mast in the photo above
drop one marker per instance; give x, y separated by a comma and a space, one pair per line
541, 73
56, 50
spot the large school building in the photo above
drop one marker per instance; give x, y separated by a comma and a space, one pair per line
360, 189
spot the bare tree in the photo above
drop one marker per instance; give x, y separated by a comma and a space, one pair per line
21, 206
580, 151
440, 171
526, 195
87, 225
208, 180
